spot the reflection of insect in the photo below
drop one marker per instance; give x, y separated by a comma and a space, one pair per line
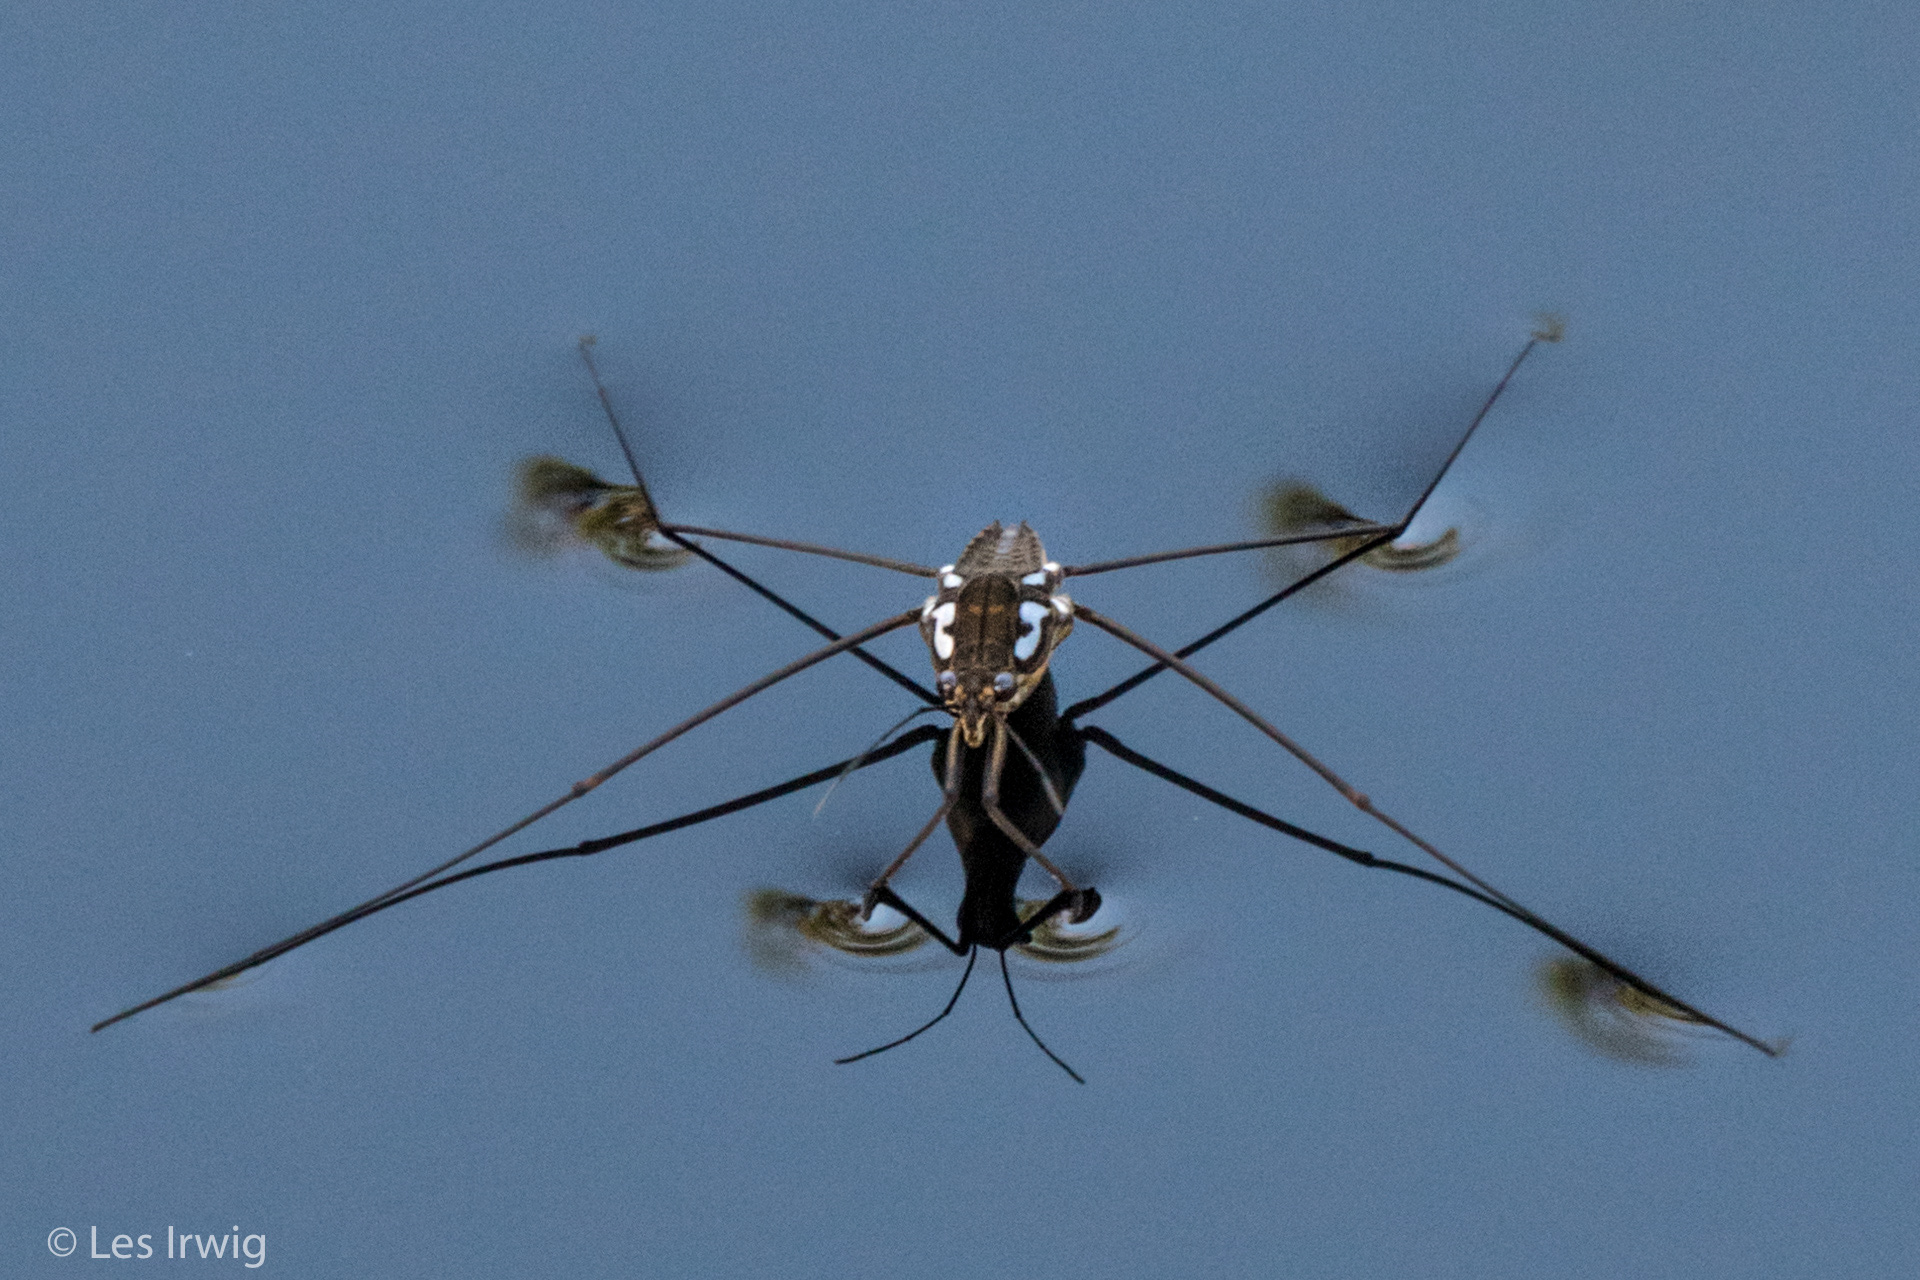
1008, 763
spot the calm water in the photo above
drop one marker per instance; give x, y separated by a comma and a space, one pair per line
288, 295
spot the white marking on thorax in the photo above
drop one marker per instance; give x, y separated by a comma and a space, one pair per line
1036, 579
953, 580
1032, 615
942, 639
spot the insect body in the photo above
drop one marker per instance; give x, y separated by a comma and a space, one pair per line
992, 630
1008, 763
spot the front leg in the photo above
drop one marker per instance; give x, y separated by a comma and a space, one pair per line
1086, 901
1080, 904
883, 895
950, 791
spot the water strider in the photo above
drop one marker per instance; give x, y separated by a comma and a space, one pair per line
1008, 761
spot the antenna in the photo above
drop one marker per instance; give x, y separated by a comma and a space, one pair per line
954, 999
1019, 1017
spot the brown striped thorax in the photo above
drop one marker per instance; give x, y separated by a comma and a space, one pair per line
993, 625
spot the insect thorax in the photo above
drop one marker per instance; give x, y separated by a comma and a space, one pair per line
993, 625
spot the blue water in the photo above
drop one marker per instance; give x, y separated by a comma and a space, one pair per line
288, 292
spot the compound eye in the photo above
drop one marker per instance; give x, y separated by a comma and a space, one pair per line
947, 682
1003, 684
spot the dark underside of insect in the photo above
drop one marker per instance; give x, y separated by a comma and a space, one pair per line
988, 915
1008, 762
